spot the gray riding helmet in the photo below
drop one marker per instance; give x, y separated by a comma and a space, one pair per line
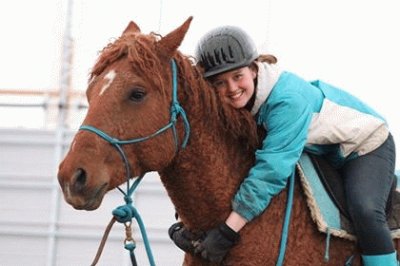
225, 48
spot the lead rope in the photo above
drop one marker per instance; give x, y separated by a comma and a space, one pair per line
103, 242
286, 223
124, 214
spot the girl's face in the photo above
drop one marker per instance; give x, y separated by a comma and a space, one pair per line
235, 87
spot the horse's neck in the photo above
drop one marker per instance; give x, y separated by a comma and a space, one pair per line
204, 177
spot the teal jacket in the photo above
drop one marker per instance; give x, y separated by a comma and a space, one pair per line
303, 116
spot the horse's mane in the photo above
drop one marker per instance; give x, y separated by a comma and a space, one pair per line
141, 51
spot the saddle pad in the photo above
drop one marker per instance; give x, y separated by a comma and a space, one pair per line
325, 213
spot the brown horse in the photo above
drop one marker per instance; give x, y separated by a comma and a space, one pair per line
130, 95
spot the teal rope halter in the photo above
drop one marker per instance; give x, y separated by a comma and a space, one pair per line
125, 213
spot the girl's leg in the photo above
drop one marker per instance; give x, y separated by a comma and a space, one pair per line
381, 260
368, 180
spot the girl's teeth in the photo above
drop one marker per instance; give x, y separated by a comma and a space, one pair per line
236, 95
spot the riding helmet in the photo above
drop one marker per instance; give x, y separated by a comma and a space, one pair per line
225, 48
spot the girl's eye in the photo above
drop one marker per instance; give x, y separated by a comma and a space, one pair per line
218, 84
238, 76
137, 95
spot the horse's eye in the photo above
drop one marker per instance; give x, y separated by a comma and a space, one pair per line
137, 95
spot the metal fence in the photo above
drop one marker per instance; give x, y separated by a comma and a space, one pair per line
38, 228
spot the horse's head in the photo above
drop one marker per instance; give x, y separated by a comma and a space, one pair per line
129, 95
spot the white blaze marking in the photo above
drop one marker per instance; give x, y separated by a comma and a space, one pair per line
110, 76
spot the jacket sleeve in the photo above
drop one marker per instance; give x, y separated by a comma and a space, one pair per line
286, 121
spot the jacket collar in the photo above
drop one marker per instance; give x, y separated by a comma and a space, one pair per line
267, 76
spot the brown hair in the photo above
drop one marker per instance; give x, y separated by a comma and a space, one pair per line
270, 59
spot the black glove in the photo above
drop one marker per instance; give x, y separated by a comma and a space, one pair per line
217, 242
181, 237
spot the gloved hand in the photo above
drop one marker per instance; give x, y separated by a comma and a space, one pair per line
217, 242
181, 237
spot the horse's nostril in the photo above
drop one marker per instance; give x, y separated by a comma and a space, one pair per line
80, 179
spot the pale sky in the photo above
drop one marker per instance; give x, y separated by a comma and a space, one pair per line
351, 44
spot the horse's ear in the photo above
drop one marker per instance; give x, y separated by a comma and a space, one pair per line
132, 27
170, 43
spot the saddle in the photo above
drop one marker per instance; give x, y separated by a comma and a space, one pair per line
325, 197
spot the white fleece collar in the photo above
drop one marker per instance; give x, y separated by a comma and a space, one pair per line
267, 76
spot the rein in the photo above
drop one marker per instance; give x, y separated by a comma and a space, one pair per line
125, 213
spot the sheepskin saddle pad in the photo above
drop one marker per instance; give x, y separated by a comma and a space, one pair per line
324, 192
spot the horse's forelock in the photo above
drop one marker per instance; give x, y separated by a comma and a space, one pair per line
135, 46
111, 53
138, 49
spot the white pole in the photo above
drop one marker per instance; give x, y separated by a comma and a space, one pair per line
65, 84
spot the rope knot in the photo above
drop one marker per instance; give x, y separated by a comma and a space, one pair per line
128, 200
124, 213
175, 111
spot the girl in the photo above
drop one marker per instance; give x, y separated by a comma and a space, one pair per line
299, 116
